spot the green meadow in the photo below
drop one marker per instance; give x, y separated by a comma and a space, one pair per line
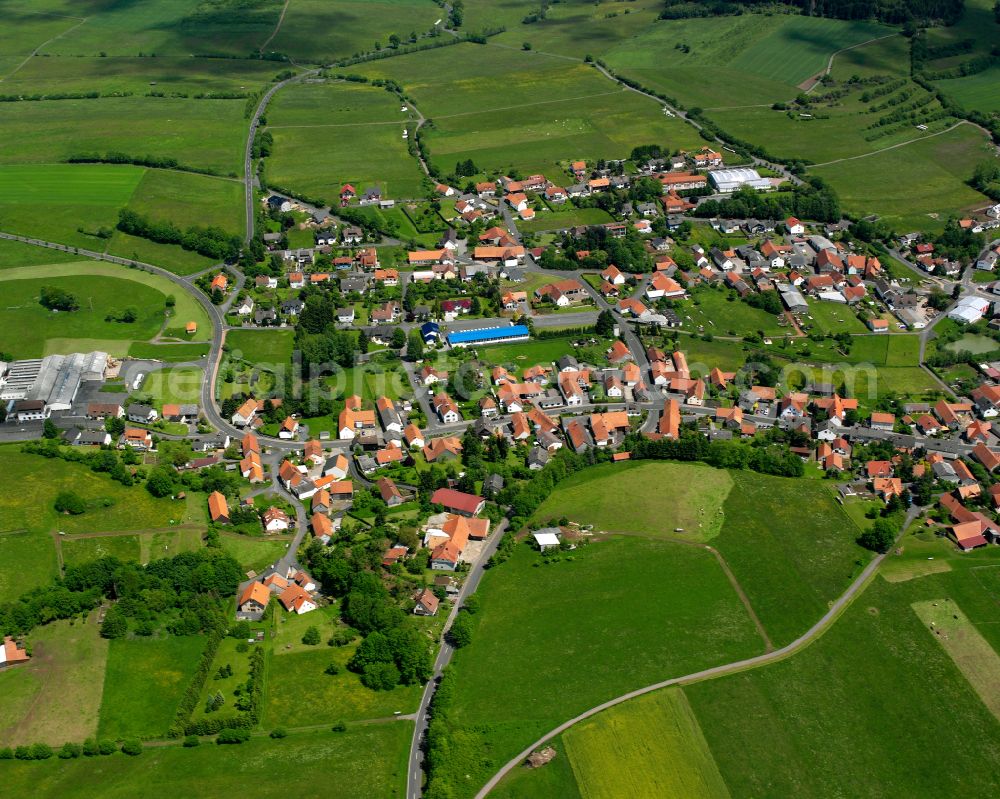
858, 711
368, 760
144, 681
349, 26
100, 289
610, 616
916, 186
329, 134
735, 61
625, 498
206, 134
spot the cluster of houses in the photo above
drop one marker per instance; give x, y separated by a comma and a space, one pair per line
296, 591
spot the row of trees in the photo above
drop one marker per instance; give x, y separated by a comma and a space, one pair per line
212, 242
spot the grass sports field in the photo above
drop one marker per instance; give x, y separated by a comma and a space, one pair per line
144, 681
368, 760
628, 498
56, 696
907, 197
98, 296
353, 134
652, 610
648, 747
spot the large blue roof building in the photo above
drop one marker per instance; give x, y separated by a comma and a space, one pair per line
489, 335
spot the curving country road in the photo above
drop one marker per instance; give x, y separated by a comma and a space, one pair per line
798, 644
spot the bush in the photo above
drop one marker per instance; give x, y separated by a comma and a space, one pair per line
340, 726
106, 747
132, 746
232, 736
279, 732
70, 751
192, 740
311, 637
41, 751
6, 753
69, 502
333, 669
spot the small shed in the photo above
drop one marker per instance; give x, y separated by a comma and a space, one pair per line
547, 538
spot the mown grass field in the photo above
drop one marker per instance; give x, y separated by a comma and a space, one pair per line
144, 680
791, 547
368, 760
858, 711
253, 553
913, 187
720, 312
56, 696
207, 134
179, 385
971, 653
628, 498
560, 219
622, 613
187, 199
265, 348
648, 747
14, 254
977, 23
66, 203
352, 133
171, 257
77, 551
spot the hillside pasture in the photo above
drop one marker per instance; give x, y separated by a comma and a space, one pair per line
627, 498
971, 653
735, 61
349, 26
206, 134
167, 74
649, 610
647, 747
791, 547
914, 187
857, 712
352, 133
144, 681
170, 27
187, 199
56, 696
